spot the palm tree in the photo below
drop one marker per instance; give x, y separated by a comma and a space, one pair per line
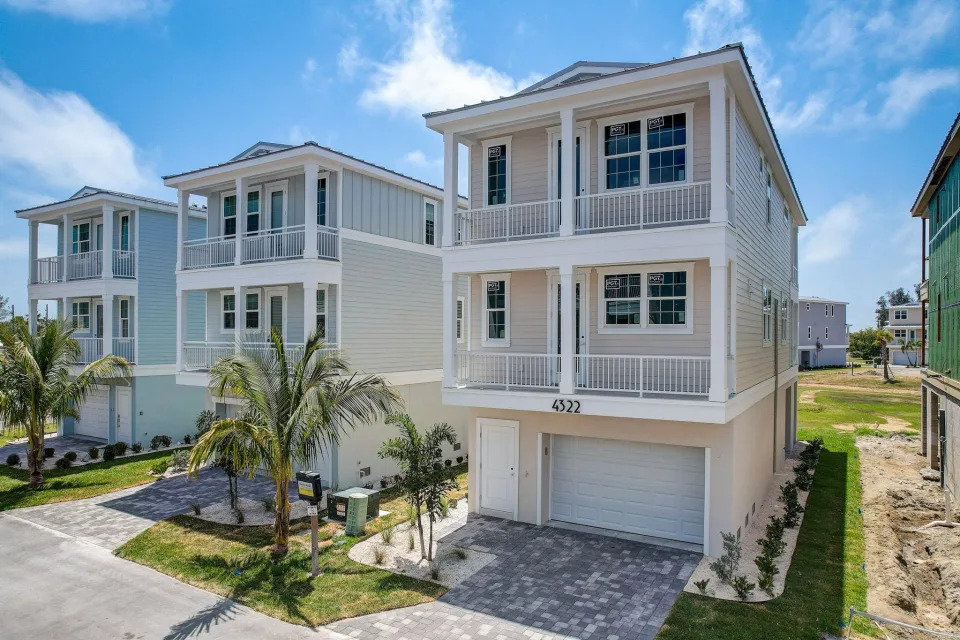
884, 337
35, 382
293, 413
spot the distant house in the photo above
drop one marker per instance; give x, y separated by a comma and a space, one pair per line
905, 324
823, 333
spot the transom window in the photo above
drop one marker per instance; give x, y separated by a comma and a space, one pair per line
650, 298
124, 318
322, 202
253, 211
81, 237
767, 314
899, 314
429, 222
322, 313
497, 174
252, 311
496, 312
81, 315
229, 312
230, 215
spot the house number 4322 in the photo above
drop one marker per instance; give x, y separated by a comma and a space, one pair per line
566, 406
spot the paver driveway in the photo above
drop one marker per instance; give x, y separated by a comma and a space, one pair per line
545, 583
112, 519
60, 444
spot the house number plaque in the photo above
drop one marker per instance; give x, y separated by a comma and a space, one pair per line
566, 406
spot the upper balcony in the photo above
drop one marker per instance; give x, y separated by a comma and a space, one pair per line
268, 245
86, 265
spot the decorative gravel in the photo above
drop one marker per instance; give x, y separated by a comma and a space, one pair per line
254, 512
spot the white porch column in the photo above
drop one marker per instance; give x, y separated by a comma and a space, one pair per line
32, 315
107, 255
183, 224
568, 144
32, 251
451, 159
182, 319
718, 150
66, 310
240, 184
240, 313
309, 307
718, 330
67, 246
310, 173
449, 332
107, 324
568, 311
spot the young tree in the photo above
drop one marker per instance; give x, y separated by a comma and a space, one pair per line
882, 312
864, 344
439, 479
910, 349
293, 412
35, 382
882, 340
5, 313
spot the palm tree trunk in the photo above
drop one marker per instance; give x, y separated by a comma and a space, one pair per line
430, 548
35, 455
423, 553
281, 525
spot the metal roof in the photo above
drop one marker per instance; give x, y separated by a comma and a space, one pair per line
87, 191
621, 66
940, 163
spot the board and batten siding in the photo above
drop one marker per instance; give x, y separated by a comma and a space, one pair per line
391, 308
764, 259
530, 156
156, 317
295, 202
374, 206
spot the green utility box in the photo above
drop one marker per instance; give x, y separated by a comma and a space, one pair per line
356, 514
337, 503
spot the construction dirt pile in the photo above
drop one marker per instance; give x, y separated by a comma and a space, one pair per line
913, 572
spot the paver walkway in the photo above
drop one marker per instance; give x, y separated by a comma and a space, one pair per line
112, 519
545, 583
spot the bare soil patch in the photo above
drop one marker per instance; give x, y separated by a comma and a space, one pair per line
913, 573
892, 425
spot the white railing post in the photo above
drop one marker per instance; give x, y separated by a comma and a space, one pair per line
568, 372
451, 161
67, 245
33, 270
240, 186
448, 332
107, 335
183, 225
310, 172
718, 330
718, 149
182, 328
106, 258
567, 174
310, 309
240, 315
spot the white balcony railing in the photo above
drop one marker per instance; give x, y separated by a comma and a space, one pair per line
283, 243
669, 375
83, 266
508, 222
200, 356
124, 264
640, 208
47, 270
91, 349
208, 252
327, 245
508, 370
126, 348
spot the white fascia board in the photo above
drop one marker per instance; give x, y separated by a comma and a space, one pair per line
93, 202
93, 288
715, 242
261, 275
193, 378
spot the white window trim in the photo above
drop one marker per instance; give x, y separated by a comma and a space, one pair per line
259, 212
485, 145
808, 306
484, 340
120, 317
91, 315
686, 108
221, 311
326, 309
423, 221
120, 220
462, 320
91, 236
223, 220
643, 270
240, 312
264, 310
826, 333
832, 311
323, 175
767, 340
267, 206
809, 332
784, 318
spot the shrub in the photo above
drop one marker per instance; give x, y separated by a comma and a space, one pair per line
71, 456
459, 459
411, 541
160, 467
196, 508
120, 448
767, 570
448, 463
702, 585
726, 565
435, 570
772, 544
137, 447
801, 478
48, 452
444, 507
791, 505
379, 554
94, 453
186, 439
248, 559
239, 515
62, 463
460, 552
269, 504
109, 453
179, 460
160, 440
205, 420
742, 586
13, 460
386, 534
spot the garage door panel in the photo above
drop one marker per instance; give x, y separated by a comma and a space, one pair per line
94, 414
644, 488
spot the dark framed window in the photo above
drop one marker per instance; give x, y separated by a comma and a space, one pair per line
666, 147
322, 202
253, 211
497, 175
229, 312
230, 215
496, 302
667, 293
252, 311
623, 149
622, 295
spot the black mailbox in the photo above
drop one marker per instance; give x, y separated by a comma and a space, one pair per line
309, 487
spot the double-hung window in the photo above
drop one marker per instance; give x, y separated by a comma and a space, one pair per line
667, 148
832, 309
253, 211
496, 316
646, 149
322, 202
496, 172
230, 215
124, 233
655, 299
623, 299
461, 307
767, 315
900, 334
228, 312
252, 311
81, 315
769, 196
826, 310
826, 333
623, 149
899, 314
81, 237
124, 317
784, 316
667, 293
322, 313
809, 333
429, 221
808, 306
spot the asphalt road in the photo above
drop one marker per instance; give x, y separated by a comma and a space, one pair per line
55, 586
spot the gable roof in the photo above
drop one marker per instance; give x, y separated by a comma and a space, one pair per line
259, 149
581, 70
88, 191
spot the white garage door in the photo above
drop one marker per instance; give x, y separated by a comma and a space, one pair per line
94, 414
650, 489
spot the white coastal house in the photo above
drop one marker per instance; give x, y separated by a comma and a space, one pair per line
906, 325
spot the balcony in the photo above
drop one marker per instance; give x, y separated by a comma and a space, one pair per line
620, 210
636, 376
201, 356
270, 245
91, 349
83, 266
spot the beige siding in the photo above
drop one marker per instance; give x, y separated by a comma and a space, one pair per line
764, 260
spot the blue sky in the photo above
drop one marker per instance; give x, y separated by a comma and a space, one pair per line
116, 93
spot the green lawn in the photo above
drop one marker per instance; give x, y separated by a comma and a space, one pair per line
826, 576
860, 408
77, 482
7, 435
208, 555
865, 377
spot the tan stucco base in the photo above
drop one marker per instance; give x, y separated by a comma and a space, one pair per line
943, 396
744, 453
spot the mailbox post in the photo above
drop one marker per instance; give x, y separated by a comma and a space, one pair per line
310, 490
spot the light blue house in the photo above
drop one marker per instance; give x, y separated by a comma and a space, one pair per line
113, 276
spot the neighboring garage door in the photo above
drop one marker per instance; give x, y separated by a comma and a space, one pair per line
94, 414
649, 489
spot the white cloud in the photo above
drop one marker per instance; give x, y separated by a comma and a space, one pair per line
427, 74
62, 142
830, 236
908, 92
92, 10
349, 59
418, 158
915, 29
309, 68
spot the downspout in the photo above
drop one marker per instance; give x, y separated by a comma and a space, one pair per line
923, 303
776, 379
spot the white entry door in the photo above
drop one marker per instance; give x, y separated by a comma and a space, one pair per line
498, 467
94, 414
124, 433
